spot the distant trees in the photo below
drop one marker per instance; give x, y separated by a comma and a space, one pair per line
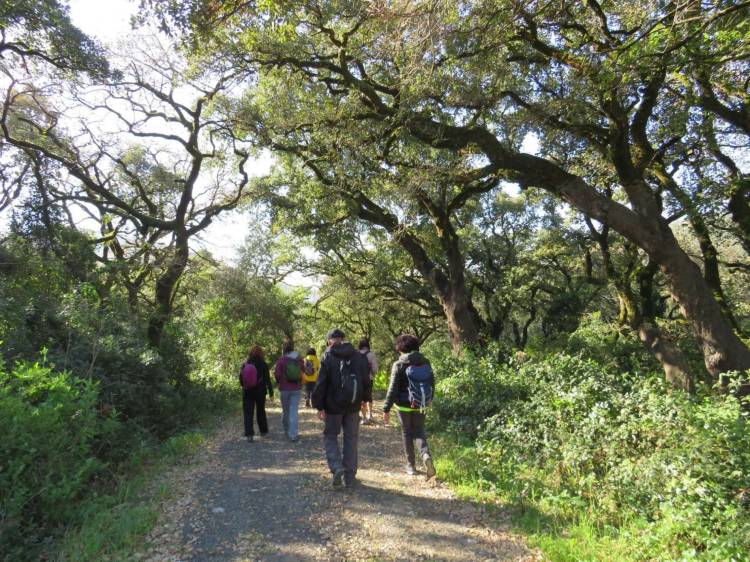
146, 154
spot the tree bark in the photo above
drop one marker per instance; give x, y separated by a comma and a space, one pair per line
165, 288
637, 312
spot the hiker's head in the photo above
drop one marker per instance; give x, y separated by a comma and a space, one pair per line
255, 353
406, 343
310, 351
287, 346
364, 343
335, 336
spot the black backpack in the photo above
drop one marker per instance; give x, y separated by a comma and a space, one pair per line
348, 387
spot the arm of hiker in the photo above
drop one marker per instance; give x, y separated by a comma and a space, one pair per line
269, 384
278, 370
367, 394
319, 390
390, 396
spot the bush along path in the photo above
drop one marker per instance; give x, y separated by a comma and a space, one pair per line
273, 500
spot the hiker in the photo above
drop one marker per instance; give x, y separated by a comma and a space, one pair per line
372, 363
343, 384
410, 390
255, 385
288, 373
310, 374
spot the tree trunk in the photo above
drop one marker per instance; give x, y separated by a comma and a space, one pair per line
669, 356
165, 287
464, 322
722, 349
703, 235
639, 317
460, 314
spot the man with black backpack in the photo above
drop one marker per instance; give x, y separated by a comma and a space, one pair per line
343, 384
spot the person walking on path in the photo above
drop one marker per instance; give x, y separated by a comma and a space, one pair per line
310, 374
343, 384
372, 363
288, 373
254, 392
410, 390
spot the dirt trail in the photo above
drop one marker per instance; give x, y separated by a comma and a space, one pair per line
273, 500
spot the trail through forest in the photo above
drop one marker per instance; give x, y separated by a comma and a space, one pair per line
273, 500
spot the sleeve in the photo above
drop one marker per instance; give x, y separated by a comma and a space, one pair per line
278, 370
240, 376
391, 395
321, 387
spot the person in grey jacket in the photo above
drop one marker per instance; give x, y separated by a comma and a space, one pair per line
412, 419
343, 384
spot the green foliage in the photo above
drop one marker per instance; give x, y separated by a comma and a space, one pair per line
579, 440
609, 345
49, 446
234, 311
42, 29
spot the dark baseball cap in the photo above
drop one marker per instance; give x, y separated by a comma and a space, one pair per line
335, 333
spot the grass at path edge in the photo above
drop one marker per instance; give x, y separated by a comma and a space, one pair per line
116, 525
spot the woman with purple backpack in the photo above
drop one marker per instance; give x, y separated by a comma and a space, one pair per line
255, 379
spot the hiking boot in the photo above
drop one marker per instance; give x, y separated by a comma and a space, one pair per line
410, 470
429, 467
350, 483
338, 475
249, 438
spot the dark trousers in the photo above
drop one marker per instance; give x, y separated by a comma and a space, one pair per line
336, 459
254, 401
412, 429
308, 392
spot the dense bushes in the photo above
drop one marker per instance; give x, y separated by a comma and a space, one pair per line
72, 426
51, 432
573, 436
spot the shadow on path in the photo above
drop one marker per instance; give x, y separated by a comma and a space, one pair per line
272, 500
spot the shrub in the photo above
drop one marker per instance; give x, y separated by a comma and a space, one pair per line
50, 431
574, 435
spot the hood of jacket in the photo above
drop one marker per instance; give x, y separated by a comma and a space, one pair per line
413, 358
344, 349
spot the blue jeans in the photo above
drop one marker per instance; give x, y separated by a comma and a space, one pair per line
289, 408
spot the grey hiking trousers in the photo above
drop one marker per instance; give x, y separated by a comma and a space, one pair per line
348, 461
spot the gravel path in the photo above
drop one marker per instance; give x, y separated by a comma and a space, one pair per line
272, 500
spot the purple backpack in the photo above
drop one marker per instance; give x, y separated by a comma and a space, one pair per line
249, 376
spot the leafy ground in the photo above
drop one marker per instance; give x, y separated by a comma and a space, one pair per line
272, 500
